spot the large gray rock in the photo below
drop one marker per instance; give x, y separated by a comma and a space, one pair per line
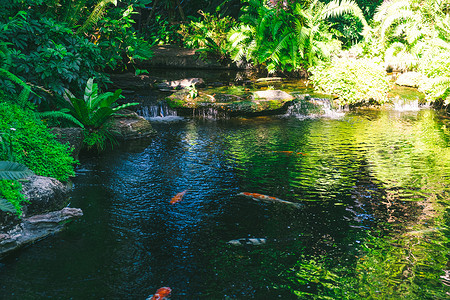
43, 215
35, 228
129, 126
45, 194
272, 95
180, 84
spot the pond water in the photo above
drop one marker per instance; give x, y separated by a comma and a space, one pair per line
373, 188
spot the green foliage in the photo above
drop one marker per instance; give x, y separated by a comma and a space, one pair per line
193, 92
33, 145
119, 43
94, 111
11, 198
352, 81
162, 32
208, 33
49, 55
288, 38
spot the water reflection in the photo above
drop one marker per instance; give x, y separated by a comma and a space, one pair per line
368, 172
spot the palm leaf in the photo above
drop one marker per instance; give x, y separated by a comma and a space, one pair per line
12, 171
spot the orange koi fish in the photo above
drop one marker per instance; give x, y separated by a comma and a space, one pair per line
178, 197
267, 199
162, 293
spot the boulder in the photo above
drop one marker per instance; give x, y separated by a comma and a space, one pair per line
258, 104
272, 95
129, 126
35, 228
42, 215
45, 194
410, 79
180, 84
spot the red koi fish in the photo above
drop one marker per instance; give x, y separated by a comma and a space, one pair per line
162, 293
178, 197
269, 199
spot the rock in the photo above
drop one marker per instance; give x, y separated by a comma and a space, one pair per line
411, 79
129, 125
272, 95
180, 84
45, 194
261, 103
35, 228
73, 135
269, 79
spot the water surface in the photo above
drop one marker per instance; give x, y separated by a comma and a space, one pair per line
363, 179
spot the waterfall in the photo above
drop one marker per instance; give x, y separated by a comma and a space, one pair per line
158, 112
406, 105
307, 107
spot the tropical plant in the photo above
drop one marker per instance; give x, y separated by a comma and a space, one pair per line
288, 38
94, 111
209, 33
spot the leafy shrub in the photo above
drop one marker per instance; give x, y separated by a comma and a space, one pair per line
48, 55
120, 45
208, 33
352, 80
33, 145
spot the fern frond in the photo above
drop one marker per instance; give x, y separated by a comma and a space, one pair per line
96, 14
61, 114
336, 8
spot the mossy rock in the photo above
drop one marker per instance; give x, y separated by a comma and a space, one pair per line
258, 103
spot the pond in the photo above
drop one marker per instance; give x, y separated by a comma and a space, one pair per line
373, 187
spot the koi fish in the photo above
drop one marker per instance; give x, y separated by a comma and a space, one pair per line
162, 293
248, 241
178, 197
267, 199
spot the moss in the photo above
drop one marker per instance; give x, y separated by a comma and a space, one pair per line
33, 145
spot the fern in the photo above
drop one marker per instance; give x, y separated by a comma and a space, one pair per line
96, 14
61, 114
26, 90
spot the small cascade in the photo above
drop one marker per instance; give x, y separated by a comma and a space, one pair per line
209, 113
307, 107
158, 112
406, 104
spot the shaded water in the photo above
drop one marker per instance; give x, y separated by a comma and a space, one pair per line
365, 172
